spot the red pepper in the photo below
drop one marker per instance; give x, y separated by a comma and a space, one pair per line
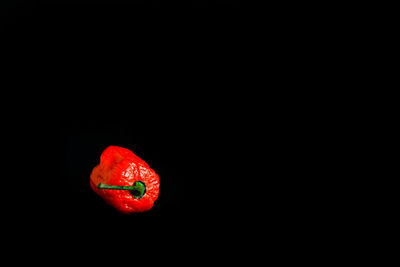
125, 181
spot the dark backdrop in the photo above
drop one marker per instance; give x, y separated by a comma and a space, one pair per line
169, 87
248, 137
180, 90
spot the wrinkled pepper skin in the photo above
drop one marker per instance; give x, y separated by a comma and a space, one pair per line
120, 166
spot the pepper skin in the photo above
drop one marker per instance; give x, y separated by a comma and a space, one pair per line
121, 167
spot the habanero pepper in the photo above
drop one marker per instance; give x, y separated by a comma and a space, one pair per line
125, 181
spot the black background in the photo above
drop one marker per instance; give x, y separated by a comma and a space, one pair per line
198, 96
251, 160
170, 86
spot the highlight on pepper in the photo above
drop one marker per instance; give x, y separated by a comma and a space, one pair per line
125, 181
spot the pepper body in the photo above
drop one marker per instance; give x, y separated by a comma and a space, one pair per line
121, 167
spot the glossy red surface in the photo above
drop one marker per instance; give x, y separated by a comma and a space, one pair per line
120, 166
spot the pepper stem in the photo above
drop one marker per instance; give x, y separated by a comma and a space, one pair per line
137, 190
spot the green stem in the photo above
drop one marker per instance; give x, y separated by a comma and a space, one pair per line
137, 190
116, 187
